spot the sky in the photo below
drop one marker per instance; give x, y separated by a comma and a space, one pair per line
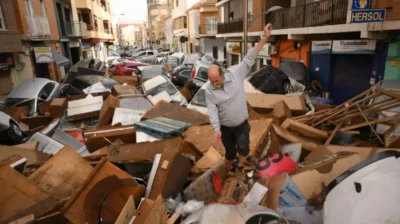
133, 10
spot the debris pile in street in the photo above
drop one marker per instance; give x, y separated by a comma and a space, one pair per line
155, 164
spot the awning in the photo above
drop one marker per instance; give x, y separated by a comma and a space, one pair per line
59, 59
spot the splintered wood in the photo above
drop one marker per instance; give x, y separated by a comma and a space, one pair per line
353, 114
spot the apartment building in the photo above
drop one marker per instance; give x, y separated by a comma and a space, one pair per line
96, 14
202, 29
41, 56
158, 12
10, 48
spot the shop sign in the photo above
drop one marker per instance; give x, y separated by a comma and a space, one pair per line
43, 55
6, 61
97, 47
321, 47
353, 47
233, 47
368, 16
361, 4
394, 62
85, 46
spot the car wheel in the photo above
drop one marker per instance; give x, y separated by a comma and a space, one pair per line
287, 88
14, 131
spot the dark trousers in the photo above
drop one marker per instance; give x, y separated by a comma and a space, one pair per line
236, 140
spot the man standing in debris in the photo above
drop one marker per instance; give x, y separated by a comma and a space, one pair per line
227, 106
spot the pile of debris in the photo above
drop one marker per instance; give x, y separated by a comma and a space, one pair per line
155, 164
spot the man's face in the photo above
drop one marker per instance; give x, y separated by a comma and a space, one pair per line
216, 77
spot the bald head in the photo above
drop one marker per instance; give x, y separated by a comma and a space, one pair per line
216, 76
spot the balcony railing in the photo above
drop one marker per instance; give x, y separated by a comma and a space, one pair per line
89, 27
210, 29
233, 26
107, 31
325, 12
76, 29
38, 27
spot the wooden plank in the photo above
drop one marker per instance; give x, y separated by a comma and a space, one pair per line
137, 152
176, 112
127, 212
387, 92
28, 145
376, 121
287, 135
73, 209
32, 156
24, 220
333, 133
304, 130
20, 197
267, 102
281, 111
174, 217
389, 139
63, 174
158, 213
143, 212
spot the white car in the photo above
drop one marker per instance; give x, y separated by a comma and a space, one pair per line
159, 84
199, 100
10, 133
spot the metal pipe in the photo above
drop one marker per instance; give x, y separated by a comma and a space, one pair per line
245, 20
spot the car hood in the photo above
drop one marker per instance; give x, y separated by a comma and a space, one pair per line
202, 110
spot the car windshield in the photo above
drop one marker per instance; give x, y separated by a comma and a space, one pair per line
200, 99
167, 86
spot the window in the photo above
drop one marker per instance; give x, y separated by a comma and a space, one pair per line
46, 91
177, 3
154, 12
95, 22
211, 24
202, 74
150, 53
43, 6
250, 9
164, 12
215, 52
2, 23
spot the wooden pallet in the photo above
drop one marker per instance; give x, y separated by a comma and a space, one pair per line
161, 127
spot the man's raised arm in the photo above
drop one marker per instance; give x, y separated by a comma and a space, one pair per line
250, 59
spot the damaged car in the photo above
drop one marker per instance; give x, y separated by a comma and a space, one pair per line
160, 84
10, 133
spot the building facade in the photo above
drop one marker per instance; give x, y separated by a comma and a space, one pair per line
158, 12
10, 49
96, 14
202, 28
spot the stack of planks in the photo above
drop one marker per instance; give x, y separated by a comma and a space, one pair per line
354, 113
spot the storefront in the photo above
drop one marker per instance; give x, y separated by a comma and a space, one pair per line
233, 50
264, 57
291, 51
344, 68
86, 49
6, 65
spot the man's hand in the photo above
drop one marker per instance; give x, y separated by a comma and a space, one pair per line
267, 31
215, 137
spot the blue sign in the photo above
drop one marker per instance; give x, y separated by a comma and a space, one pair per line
361, 4
368, 16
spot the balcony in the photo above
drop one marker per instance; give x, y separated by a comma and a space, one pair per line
76, 29
107, 31
233, 26
38, 28
208, 29
325, 12
83, 4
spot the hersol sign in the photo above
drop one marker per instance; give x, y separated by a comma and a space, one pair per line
353, 47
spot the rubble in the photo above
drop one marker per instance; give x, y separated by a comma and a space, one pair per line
143, 154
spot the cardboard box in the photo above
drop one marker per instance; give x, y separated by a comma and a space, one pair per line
128, 79
264, 103
85, 108
20, 197
100, 137
107, 110
118, 90
17, 113
58, 106
281, 111
176, 112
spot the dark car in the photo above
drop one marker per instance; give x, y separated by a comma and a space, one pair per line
270, 80
150, 72
180, 73
92, 64
80, 83
10, 133
296, 71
